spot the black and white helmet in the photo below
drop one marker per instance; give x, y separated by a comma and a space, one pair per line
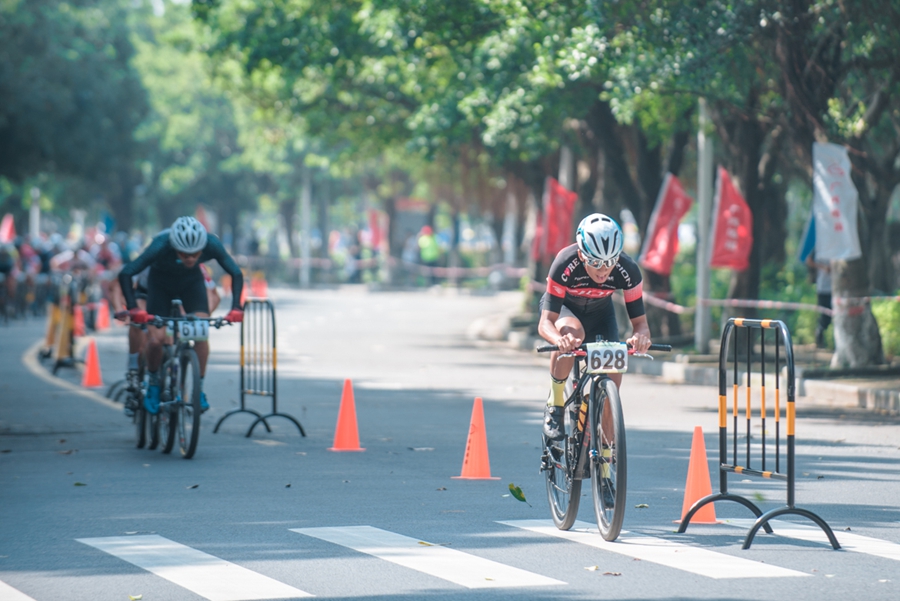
600, 240
187, 235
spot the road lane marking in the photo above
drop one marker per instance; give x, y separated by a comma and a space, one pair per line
31, 362
849, 541
204, 574
659, 550
8, 593
461, 568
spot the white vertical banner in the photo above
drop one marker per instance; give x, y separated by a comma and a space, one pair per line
835, 204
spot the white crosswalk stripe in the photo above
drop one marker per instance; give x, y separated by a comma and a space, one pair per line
461, 568
204, 574
8, 593
664, 552
848, 540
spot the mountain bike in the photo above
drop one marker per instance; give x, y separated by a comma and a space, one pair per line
593, 446
180, 387
146, 424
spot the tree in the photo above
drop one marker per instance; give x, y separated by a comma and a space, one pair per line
69, 98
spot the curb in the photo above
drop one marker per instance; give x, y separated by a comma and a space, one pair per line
31, 362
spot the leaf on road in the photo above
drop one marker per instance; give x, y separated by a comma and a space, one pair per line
641, 506
68, 451
288, 485
592, 568
442, 488
80, 484
135, 597
269, 443
192, 486
847, 528
612, 573
517, 493
424, 544
819, 477
420, 448
6, 451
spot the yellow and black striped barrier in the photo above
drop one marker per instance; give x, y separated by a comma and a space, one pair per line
259, 363
744, 465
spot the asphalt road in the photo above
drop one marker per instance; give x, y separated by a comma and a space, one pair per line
85, 515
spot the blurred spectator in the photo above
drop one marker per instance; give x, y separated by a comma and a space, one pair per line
429, 252
823, 295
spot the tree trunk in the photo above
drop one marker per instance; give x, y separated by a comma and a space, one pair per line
857, 340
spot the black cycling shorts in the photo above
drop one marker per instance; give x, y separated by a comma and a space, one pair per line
598, 318
163, 287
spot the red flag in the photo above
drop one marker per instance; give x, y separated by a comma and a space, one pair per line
7, 229
661, 241
375, 226
733, 226
559, 205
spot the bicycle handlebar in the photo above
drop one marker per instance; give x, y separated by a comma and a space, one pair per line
653, 347
158, 321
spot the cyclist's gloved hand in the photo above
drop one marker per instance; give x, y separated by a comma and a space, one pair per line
235, 316
139, 316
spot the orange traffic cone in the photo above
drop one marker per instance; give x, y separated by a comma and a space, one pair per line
78, 328
698, 484
102, 321
346, 435
92, 377
476, 464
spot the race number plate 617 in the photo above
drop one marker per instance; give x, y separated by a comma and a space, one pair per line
194, 330
607, 357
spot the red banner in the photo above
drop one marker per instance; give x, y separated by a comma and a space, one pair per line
733, 226
7, 229
661, 241
559, 205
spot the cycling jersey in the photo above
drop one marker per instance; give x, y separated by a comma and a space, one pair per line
165, 265
568, 284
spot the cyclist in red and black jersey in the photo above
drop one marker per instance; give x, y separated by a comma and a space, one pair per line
577, 306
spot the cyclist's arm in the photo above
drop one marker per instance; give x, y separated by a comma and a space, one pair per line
549, 332
634, 304
138, 265
227, 262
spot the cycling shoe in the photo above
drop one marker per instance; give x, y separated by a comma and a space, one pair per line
204, 404
151, 401
553, 423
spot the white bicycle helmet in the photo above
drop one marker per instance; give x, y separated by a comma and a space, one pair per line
187, 235
600, 240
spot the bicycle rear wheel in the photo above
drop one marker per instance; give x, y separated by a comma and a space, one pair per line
189, 407
140, 426
563, 490
608, 458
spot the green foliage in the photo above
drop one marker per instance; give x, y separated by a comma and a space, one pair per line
887, 314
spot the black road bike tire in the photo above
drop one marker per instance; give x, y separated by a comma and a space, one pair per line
152, 430
140, 426
563, 489
189, 409
607, 401
168, 417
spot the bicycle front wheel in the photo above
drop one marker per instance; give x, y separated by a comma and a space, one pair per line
563, 490
608, 458
189, 407
168, 410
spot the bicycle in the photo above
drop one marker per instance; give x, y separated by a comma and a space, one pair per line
180, 391
593, 446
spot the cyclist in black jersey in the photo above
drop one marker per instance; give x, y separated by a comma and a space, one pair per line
174, 257
577, 306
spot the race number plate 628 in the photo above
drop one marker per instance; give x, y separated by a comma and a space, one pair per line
607, 357
194, 330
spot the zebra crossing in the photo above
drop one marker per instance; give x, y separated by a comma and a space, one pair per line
216, 579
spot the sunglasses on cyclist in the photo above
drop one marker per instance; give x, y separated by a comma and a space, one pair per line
599, 263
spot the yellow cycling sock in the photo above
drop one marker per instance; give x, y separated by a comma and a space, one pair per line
557, 396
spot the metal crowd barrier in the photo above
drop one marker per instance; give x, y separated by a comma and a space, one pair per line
259, 362
782, 336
